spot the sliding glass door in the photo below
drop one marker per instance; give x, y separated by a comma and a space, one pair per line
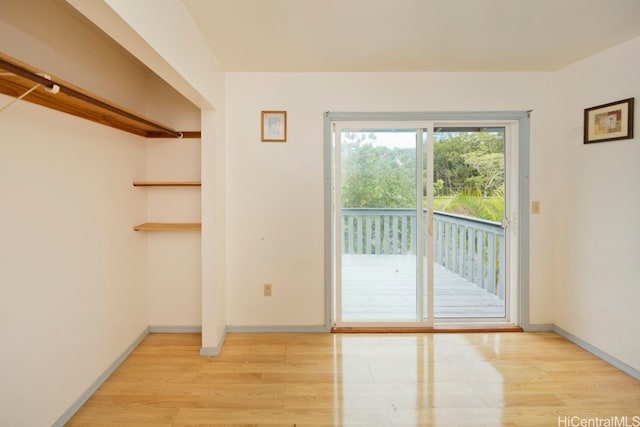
419, 223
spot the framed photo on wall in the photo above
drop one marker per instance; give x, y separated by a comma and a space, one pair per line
609, 122
274, 126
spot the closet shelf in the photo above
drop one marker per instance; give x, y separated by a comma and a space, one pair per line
168, 226
18, 78
166, 183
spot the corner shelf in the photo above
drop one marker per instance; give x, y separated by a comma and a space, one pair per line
167, 183
168, 226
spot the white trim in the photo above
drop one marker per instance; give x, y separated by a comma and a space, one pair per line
215, 351
522, 224
635, 373
539, 327
69, 413
430, 276
328, 221
337, 222
511, 213
420, 223
175, 329
517, 127
279, 329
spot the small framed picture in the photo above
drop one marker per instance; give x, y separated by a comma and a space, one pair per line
274, 126
609, 122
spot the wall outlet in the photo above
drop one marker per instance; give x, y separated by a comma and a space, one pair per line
267, 289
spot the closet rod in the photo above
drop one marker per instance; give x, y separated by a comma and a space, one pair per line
74, 93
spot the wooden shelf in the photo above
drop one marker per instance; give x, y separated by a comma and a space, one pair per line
16, 78
157, 226
168, 226
167, 183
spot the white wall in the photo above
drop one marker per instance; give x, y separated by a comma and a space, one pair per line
72, 272
47, 34
596, 228
214, 230
275, 191
198, 75
174, 258
174, 264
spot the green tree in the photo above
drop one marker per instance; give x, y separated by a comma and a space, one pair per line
468, 168
490, 169
377, 176
468, 160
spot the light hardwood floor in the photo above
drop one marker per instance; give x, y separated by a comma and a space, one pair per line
477, 379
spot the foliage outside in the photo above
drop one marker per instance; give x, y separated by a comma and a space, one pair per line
468, 173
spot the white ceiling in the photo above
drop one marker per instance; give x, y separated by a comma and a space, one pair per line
411, 35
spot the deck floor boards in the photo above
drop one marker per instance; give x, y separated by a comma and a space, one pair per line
383, 287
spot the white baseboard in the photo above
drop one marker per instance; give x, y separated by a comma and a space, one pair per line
98, 382
540, 327
214, 351
279, 329
597, 352
175, 329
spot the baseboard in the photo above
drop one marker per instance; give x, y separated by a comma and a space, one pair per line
175, 329
98, 382
278, 329
215, 351
597, 352
540, 327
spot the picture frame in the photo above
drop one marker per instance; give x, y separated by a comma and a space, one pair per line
274, 126
609, 122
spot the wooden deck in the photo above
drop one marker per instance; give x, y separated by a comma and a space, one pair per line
383, 287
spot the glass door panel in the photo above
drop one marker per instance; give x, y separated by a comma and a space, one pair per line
378, 225
469, 207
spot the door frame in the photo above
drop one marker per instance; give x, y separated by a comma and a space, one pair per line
519, 222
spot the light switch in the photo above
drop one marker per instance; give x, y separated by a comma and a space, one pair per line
535, 207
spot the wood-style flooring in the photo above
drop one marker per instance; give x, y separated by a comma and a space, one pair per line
476, 379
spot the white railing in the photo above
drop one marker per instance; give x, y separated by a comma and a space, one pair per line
379, 231
470, 247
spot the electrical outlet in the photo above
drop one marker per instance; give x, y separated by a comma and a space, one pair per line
267, 289
535, 207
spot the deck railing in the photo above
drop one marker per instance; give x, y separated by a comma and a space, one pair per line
470, 247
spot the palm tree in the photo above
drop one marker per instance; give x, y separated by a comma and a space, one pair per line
471, 202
